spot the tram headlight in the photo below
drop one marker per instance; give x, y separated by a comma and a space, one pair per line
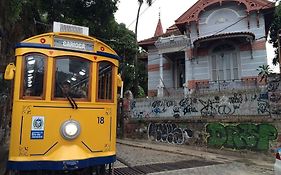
70, 129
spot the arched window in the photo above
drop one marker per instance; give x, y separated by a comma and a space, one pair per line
33, 75
105, 80
223, 48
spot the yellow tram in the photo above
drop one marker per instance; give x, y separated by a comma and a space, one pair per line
64, 104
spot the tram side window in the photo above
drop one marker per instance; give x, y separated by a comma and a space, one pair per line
71, 77
105, 80
33, 80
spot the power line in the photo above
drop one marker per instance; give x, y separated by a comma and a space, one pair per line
141, 14
241, 19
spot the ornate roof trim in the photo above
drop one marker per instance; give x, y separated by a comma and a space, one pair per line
192, 14
224, 35
173, 30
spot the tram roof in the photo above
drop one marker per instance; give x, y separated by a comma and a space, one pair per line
48, 39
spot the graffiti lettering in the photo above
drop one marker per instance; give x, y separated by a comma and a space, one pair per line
242, 136
275, 98
224, 105
273, 86
168, 132
237, 98
263, 107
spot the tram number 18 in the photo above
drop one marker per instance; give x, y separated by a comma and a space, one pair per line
100, 120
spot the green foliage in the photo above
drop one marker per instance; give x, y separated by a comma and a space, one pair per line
141, 93
15, 10
31, 17
142, 77
275, 27
264, 72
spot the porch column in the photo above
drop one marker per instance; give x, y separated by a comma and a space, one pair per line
188, 70
160, 90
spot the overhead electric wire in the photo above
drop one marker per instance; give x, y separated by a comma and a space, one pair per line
141, 14
241, 19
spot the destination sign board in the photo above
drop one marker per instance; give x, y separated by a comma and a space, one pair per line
73, 44
63, 27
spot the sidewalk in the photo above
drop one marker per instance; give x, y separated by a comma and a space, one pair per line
252, 158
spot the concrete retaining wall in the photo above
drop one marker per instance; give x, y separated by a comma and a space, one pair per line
233, 120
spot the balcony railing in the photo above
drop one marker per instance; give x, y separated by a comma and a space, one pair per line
223, 85
217, 86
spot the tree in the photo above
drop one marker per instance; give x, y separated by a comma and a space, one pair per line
136, 82
96, 14
264, 72
21, 19
123, 42
275, 27
9, 15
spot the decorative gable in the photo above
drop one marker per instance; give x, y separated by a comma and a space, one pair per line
193, 13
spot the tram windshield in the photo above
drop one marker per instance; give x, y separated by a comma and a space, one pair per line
71, 77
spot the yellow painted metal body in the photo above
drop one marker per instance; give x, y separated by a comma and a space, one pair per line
95, 139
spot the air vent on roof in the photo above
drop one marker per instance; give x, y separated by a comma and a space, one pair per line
63, 27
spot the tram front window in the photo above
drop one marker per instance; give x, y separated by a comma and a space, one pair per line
71, 77
33, 80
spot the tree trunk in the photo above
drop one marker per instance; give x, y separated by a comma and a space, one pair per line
136, 82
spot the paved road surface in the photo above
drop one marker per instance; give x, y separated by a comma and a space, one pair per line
136, 154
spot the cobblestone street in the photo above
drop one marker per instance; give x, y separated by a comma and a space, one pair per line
136, 156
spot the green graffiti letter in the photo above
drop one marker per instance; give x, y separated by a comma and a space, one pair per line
267, 132
248, 135
233, 137
217, 136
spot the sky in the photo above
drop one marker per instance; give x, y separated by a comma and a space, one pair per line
169, 10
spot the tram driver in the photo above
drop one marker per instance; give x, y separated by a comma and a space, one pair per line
66, 91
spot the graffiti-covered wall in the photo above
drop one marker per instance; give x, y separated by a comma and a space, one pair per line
235, 120
241, 103
261, 136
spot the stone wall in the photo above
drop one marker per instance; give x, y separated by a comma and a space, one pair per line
239, 103
236, 134
231, 120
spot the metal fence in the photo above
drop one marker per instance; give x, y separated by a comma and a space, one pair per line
223, 85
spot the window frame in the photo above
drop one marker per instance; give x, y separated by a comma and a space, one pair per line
88, 98
112, 82
224, 66
23, 67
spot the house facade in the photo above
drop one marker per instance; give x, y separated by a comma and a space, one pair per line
215, 44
